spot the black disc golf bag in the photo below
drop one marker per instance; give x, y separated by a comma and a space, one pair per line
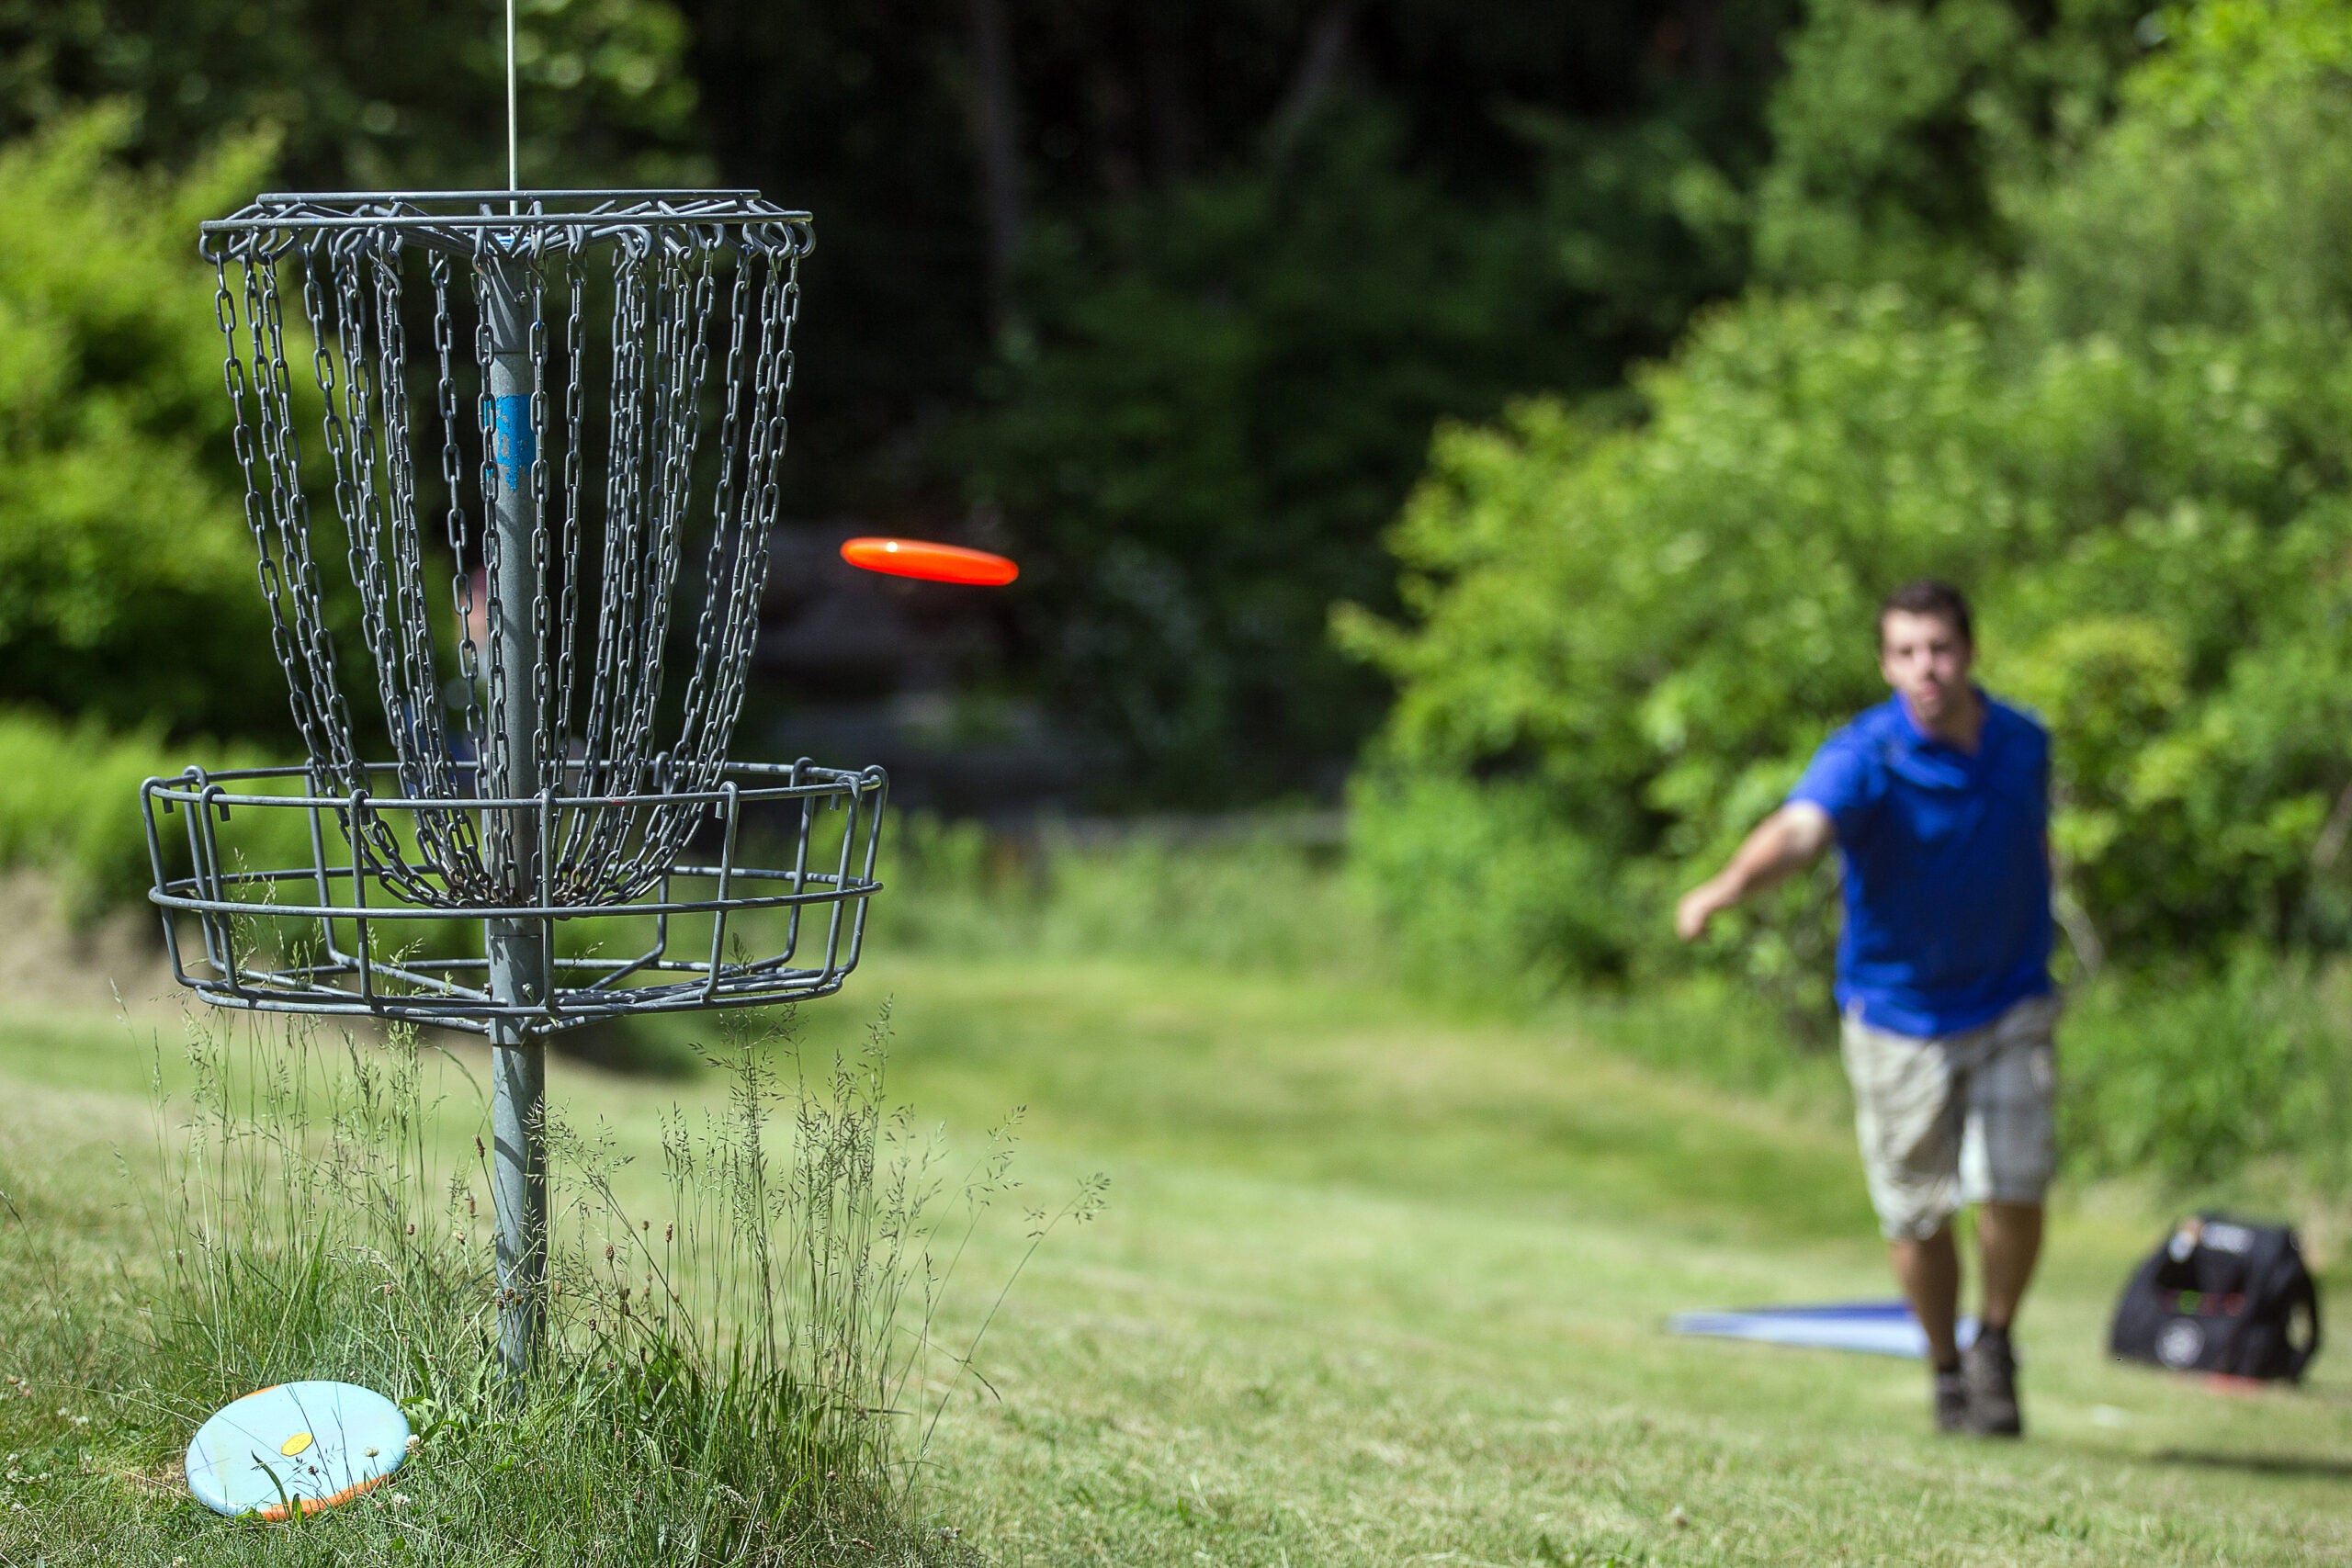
2221, 1296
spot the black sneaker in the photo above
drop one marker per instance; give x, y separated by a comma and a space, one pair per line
1952, 1402
1989, 1368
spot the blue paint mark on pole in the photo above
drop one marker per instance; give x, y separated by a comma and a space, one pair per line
515, 445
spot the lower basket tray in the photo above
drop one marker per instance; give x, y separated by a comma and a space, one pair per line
277, 895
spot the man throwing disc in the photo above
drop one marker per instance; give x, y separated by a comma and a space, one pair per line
1938, 802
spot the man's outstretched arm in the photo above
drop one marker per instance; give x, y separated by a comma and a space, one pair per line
1783, 844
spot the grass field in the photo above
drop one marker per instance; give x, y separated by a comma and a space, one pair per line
1377, 1283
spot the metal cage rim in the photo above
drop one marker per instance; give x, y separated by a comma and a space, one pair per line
205, 890
822, 900
805, 780
513, 223
495, 209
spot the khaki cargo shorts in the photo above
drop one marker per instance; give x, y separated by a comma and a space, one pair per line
1955, 1119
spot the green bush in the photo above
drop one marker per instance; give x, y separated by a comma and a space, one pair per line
1253, 899
127, 587
1904, 131
2135, 459
69, 806
2220, 1084
2195, 1077
375, 97
1482, 881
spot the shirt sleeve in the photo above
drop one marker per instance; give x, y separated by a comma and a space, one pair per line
1843, 782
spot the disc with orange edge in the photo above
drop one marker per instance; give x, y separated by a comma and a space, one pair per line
932, 563
303, 1446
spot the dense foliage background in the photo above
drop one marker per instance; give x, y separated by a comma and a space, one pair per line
1168, 303
127, 575
2126, 435
1654, 342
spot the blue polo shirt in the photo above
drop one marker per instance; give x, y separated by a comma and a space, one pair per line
1947, 871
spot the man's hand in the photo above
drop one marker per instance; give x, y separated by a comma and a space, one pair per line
1698, 906
1784, 844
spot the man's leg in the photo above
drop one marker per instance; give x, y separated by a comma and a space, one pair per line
1908, 1125
1928, 1272
2008, 1242
2009, 1152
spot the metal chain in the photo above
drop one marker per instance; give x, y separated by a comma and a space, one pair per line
649, 603
623, 663
243, 428
426, 762
576, 442
726, 520
624, 735
281, 453
682, 305
565, 856
496, 777
760, 524
547, 743
600, 767
474, 872
428, 770
683, 347
452, 478
349, 439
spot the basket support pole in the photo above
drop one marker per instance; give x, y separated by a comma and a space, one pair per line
516, 949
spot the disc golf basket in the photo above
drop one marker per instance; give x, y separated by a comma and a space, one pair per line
550, 422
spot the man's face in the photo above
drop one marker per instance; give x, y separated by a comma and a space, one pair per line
1926, 659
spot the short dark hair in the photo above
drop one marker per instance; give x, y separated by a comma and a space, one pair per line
1930, 596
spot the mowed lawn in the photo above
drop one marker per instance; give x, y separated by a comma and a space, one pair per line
1379, 1284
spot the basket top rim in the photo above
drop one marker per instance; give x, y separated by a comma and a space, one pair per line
766, 781
508, 220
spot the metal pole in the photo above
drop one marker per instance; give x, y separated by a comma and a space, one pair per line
515, 948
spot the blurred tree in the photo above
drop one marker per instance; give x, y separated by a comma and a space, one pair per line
126, 574
1411, 209
1627, 637
1269, 251
126, 570
1211, 273
1220, 392
933, 140
859, 114
1905, 133
369, 96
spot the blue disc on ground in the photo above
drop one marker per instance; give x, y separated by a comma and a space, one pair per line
306, 1445
1878, 1328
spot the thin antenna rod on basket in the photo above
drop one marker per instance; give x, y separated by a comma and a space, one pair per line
514, 143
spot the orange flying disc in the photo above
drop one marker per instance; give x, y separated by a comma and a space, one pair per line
932, 563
